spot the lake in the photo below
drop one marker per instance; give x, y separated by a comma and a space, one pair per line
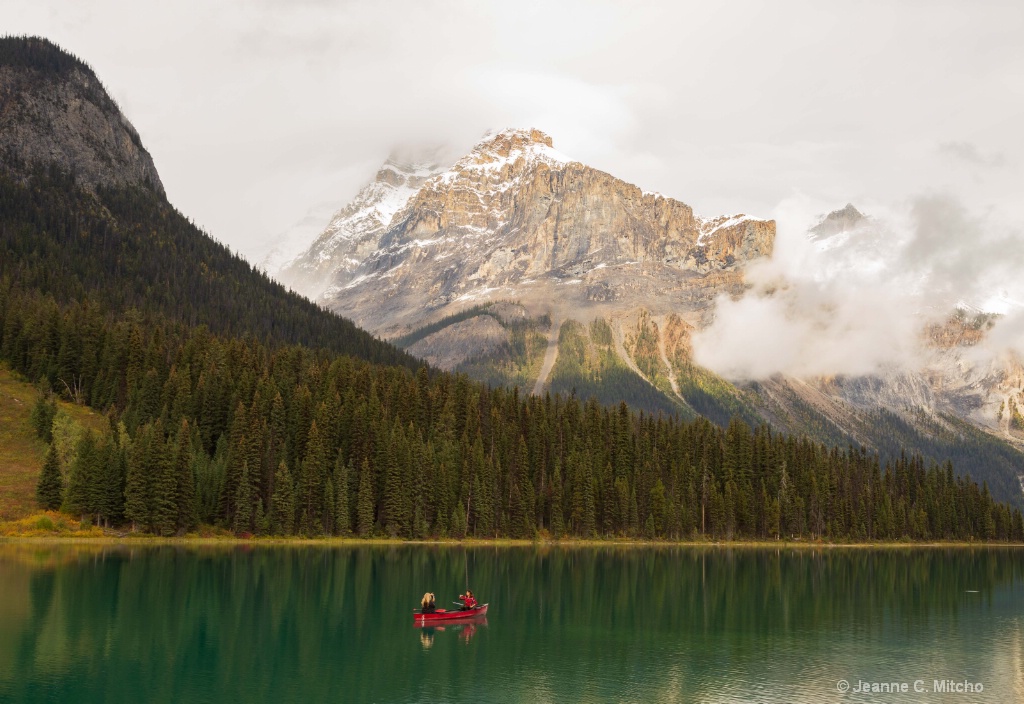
582, 624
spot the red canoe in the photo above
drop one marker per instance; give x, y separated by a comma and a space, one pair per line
455, 615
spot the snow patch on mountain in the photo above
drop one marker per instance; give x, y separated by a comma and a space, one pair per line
493, 159
354, 231
708, 227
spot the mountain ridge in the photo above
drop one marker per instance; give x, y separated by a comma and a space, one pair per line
614, 316
354, 231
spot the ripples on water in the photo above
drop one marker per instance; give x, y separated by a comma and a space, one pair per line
316, 624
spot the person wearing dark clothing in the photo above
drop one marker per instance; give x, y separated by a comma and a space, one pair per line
427, 604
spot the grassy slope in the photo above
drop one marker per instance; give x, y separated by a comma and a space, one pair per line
589, 366
21, 452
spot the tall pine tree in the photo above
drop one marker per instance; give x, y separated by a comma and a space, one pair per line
50, 489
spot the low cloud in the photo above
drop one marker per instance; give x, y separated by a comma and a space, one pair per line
857, 302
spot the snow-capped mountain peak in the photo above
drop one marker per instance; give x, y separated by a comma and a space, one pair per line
838, 222
354, 231
506, 146
498, 154
516, 218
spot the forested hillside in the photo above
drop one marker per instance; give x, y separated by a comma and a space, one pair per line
289, 440
127, 249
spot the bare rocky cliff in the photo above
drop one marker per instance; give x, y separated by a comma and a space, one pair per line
55, 111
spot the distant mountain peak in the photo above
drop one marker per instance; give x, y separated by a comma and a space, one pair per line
516, 137
838, 221
501, 149
413, 159
354, 231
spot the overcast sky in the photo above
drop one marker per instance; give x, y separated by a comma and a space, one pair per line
257, 112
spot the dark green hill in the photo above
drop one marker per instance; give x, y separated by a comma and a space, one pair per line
84, 217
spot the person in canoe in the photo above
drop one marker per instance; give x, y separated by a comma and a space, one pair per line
468, 600
428, 604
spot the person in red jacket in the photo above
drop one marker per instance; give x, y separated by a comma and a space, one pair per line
468, 600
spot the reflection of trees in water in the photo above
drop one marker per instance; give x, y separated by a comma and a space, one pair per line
223, 623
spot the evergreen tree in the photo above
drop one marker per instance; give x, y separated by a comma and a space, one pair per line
243, 502
114, 483
261, 520
185, 488
329, 508
458, 522
83, 477
237, 453
50, 489
584, 519
634, 515
396, 517
658, 509
43, 413
557, 517
139, 482
342, 512
283, 502
164, 506
365, 501
622, 505
311, 482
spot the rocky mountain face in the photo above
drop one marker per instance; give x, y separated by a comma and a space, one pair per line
515, 218
518, 265
55, 111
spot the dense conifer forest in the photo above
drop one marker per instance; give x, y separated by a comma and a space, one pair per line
288, 440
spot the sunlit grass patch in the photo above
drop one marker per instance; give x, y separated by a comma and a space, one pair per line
48, 524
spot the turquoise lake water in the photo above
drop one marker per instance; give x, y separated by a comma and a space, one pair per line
647, 624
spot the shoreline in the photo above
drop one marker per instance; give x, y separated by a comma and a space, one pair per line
230, 541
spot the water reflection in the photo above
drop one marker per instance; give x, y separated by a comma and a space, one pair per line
464, 629
654, 624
